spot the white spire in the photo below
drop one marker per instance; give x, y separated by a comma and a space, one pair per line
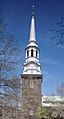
32, 63
32, 30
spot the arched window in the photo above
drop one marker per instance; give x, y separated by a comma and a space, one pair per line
27, 53
36, 53
32, 53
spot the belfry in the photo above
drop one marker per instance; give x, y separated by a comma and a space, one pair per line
31, 76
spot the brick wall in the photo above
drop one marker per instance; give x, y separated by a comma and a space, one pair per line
31, 95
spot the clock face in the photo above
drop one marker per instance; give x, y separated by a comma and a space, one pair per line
31, 72
31, 84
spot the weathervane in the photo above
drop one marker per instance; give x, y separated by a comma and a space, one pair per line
33, 10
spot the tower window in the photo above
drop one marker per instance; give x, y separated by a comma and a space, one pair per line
31, 112
32, 53
27, 53
36, 53
31, 84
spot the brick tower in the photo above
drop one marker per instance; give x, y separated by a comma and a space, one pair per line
31, 77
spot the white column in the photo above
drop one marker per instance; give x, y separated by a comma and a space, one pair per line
38, 55
26, 54
29, 53
34, 53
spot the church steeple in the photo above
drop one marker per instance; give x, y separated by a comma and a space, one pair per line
31, 76
32, 30
32, 63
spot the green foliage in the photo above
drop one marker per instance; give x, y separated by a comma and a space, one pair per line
42, 113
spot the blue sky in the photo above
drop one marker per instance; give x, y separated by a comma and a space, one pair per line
17, 13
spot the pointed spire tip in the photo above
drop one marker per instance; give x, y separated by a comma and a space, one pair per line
32, 30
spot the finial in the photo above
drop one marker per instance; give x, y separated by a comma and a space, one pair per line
33, 10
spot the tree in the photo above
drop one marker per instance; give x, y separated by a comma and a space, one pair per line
12, 92
56, 112
9, 52
58, 33
42, 113
60, 90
